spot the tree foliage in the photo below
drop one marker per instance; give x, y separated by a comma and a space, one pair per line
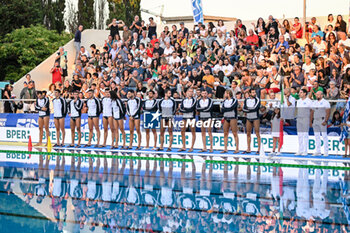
25, 48
86, 13
17, 13
124, 10
53, 14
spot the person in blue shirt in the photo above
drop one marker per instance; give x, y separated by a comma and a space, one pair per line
316, 32
281, 42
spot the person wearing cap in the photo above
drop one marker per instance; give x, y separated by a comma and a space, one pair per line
94, 110
183, 29
321, 112
151, 106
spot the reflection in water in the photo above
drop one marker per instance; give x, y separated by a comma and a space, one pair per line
78, 194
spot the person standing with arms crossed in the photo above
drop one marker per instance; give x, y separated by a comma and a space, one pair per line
204, 107
251, 109
304, 120
188, 109
42, 105
133, 109
229, 109
151, 106
321, 111
77, 42
74, 108
59, 114
94, 110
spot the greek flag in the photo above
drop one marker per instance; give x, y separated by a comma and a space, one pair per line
344, 132
197, 11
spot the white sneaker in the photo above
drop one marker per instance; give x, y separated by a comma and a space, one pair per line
325, 155
304, 154
298, 153
272, 154
316, 154
278, 153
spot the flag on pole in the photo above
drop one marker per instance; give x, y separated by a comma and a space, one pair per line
197, 11
344, 133
280, 142
280, 174
30, 146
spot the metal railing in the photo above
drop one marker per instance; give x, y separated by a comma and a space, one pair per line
178, 100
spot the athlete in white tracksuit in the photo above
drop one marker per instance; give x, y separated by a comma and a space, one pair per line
303, 194
304, 106
321, 114
320, 208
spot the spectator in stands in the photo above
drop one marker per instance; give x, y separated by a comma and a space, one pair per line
28, 92
114, 27
6, 94
57, 73
77, 42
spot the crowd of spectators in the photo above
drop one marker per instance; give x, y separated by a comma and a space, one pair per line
265, 57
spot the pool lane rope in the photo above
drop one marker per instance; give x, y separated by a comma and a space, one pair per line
116, 155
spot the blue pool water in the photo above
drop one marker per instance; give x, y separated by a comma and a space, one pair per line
41, 193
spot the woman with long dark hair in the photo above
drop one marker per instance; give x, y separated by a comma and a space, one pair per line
6, 94
340, 24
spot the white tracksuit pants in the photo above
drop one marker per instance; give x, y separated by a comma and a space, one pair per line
303, 125
318, 130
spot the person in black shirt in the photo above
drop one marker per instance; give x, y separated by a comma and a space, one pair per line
77, 41
196, 79
136, 25
114, 26
76, 83
152, 28
42, 105
251, 109
184, 30
158, 49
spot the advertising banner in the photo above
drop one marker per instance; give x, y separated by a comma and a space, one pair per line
18, 128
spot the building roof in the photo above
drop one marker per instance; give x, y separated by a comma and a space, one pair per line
207, 18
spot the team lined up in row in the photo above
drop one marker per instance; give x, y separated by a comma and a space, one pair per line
310, 114
114, 111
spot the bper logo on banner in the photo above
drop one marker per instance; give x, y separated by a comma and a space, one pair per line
151, 120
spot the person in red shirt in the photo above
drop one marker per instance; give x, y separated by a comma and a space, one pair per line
154, 39
252, 39
57, 73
